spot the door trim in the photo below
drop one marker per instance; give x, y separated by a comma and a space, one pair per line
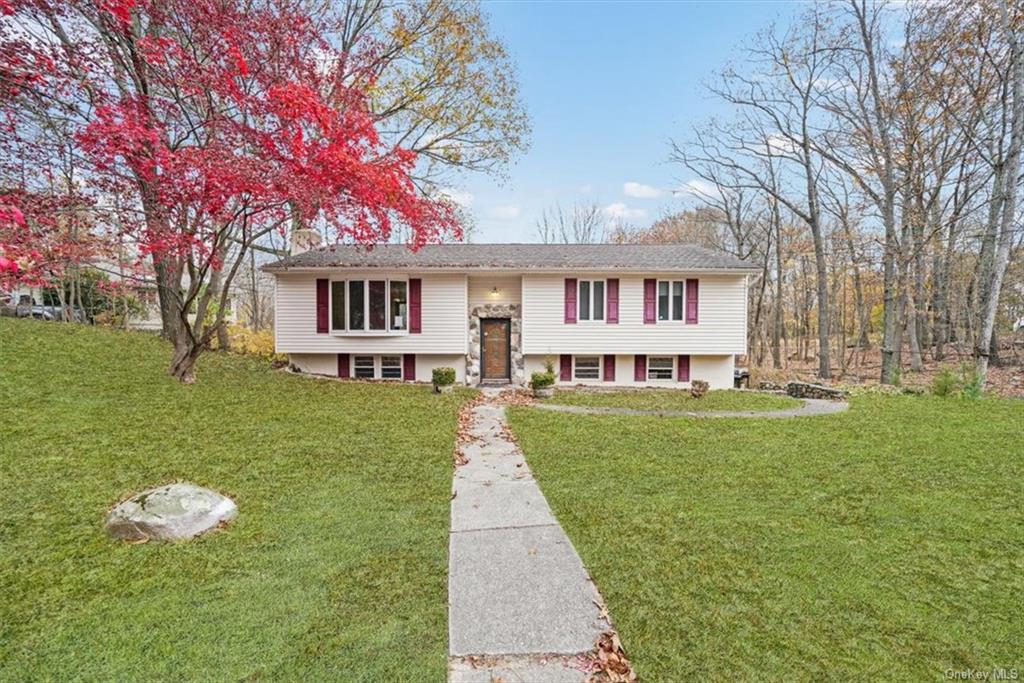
507, 324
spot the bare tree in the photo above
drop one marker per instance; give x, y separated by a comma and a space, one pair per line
582, 224
776, 104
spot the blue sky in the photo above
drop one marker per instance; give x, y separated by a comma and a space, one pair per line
607, 84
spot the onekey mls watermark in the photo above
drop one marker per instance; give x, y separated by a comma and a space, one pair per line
995, 673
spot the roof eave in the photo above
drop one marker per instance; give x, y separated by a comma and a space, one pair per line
276, 270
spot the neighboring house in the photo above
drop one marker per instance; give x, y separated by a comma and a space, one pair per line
606, 314
148, 318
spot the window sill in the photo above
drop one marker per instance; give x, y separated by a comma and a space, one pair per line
371, 333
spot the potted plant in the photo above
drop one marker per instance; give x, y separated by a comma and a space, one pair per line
543, 384
444, 380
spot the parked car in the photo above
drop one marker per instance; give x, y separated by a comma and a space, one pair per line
28, 309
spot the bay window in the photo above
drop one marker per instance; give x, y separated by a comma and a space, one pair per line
591, 299
356, 305
369, 305
338, 305
670, 300
399, 304
378, 305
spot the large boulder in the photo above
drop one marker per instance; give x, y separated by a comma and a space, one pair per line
175, 512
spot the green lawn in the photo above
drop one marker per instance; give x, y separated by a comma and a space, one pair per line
334, 570
672, 399
885, 542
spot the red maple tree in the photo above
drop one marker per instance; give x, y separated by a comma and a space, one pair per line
222, 119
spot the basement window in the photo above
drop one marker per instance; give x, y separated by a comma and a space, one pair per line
660, 368
391, 367
587, 367
363, 367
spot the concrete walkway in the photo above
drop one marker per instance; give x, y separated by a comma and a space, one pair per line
811, 406
521, 607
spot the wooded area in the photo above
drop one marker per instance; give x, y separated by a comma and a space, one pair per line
872, 169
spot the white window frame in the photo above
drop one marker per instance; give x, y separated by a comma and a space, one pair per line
388, 330
671, 296
355, 366
380, 364
672, 371
575, 371
593, 308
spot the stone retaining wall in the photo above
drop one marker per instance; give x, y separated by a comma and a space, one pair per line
805, 390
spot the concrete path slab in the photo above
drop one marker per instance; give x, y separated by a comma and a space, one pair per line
498, 504
517, 589
517, 670
521, 591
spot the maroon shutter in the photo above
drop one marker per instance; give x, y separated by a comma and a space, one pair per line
683, 369
415, 305
650, 301
691, 300
409, 367
612, 299
321, 305
565, 363
639, 368
343, 366
609, 368
570, 300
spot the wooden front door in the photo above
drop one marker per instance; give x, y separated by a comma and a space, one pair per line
495, 349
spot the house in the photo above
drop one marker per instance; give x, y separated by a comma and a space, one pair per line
606, 314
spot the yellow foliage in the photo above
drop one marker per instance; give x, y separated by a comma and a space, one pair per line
256, 343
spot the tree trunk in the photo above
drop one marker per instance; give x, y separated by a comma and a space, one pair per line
777, 321
1007, 199
183, 362
863, 317
167, 289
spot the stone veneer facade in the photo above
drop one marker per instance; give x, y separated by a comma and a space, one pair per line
513, 313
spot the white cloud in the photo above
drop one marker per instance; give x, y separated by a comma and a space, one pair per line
641, 191
460, 197
698, 188
780, 144
508, 212
620, 212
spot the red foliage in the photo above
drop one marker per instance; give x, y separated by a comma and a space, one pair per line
40, 236
228, 115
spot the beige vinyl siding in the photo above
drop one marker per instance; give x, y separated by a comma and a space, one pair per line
715, 370
327, 364
721, 327
481, 290
444, 319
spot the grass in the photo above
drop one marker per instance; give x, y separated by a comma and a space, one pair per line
335, 568
673, 399
885, 541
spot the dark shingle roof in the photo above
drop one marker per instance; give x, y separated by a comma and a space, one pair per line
635, 257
